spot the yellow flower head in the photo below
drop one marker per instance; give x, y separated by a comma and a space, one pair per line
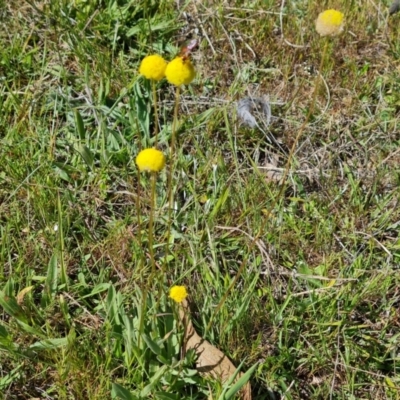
152, 160
329, 23
180, 71
178, 293
153, 67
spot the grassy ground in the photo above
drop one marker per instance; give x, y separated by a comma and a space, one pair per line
301, 279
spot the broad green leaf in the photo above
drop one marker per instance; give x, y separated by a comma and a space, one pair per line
154, 380
64, 309
112, 303
130, 338
30, 329
49, 344
12, 308
122, 393
61, 171
154, 347
390, 383
142, 109
51, 278
79, 125
101, 287
166, 396
9, 288
87, 155
3, 332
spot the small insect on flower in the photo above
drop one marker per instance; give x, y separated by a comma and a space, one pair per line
178, 293
180, 70
329, 23
186, 50
151, 160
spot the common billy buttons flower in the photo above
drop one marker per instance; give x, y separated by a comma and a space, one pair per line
153, 67
329, 23
151, 160
178, 293
180, 71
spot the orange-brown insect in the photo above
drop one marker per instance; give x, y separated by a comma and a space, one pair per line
186, 50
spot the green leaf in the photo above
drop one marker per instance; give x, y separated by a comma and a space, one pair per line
390, 383
6, 342
244, 304
49, 344
11, 307
3, 332
29, 329
154, 347
122, 393
9, 288
142, 109
220, 203
166, 396
62, 171
79, 125
154, 380
51, 279
12, 376
112, 302
240, 383
87, 155
307, 273
101, 287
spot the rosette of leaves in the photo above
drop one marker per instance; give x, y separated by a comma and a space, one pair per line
147, 342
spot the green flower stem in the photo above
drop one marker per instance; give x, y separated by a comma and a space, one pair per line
147, 280
170, 175
151, 222
141, 260
138, 213
157, 127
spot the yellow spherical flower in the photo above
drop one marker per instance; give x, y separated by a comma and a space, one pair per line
178, 293
153, 67
152, 160
329, 23
180, 71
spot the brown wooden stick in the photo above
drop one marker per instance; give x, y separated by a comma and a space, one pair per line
210, 360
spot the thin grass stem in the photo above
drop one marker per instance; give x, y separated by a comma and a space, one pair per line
170, 175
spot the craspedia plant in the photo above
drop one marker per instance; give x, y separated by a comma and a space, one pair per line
329, 23
178, 293
153, 67
180, 71
151, 160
